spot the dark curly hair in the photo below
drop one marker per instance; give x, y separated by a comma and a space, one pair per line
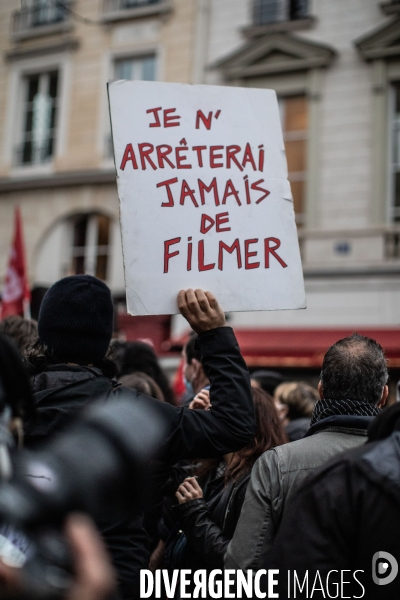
14, 381
40, 356
22, 331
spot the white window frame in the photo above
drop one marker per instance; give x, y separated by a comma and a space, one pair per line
15, 110
54, 254
136, 60
28, 137
90, 251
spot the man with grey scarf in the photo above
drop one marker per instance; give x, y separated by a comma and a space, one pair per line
352, 389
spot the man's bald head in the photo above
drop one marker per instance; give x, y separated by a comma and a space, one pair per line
354, 369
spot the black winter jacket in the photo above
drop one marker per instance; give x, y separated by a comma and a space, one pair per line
62, 391
209, 526
344, 516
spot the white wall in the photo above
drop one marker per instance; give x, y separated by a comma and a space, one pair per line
227, 19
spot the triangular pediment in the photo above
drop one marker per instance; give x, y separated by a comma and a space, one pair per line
274, 57
382, 42
274, 53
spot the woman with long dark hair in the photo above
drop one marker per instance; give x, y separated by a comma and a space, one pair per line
208, 513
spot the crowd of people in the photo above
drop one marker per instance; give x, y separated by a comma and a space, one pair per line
254, 471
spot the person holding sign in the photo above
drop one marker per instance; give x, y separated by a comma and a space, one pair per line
75, 327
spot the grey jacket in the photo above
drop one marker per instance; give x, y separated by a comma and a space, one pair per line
275, 479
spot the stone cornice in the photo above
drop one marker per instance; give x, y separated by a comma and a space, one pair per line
31, 51
380, 43
67, 179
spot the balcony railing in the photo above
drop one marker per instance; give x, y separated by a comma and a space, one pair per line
374, 249
274, 11
111, 6
42, 15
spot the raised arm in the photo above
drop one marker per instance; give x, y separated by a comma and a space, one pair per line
230, 424
201, 310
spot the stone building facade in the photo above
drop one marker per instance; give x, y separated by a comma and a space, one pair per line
336, 69
56, 159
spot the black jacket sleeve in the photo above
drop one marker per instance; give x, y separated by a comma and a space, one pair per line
317, 530
203, 535
230, 424
344, 517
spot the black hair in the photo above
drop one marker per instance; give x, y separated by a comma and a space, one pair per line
354, 369
139, 356
15, 389
268, 380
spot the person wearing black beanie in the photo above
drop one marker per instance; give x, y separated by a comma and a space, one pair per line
76, 319
70, 369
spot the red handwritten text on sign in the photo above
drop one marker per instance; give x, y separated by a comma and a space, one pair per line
252, 253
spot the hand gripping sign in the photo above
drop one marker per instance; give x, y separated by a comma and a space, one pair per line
205, 200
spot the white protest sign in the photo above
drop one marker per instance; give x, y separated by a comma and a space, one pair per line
204, 197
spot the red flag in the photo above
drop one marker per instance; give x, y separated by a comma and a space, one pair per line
16, 293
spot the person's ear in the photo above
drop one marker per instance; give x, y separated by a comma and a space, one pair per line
385, 393
320, 390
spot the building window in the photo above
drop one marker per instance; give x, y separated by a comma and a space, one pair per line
275, 11
138, 3
90, 245
115, 5
82, 243
294, 117
40, 94
395, 156
45, 12
143, 68
40, 13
